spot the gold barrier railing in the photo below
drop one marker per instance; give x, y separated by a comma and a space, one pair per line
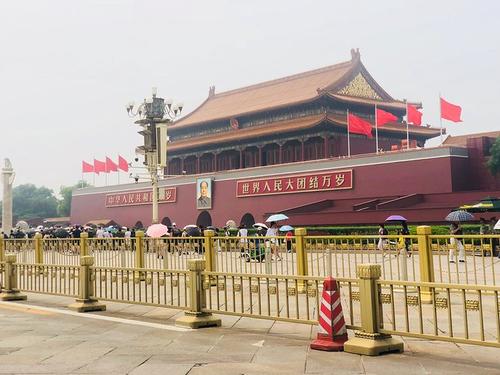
436, 311
166, 288
466, 259
422, 257
277, 297
374, 308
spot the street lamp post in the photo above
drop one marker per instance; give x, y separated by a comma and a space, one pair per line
153, 116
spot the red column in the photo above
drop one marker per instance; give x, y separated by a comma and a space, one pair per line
302, 153
281, 154
260, 156
215, 162
325, 154
182, 165
241, 158
198, 164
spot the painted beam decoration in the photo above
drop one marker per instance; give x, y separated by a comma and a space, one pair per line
303, 183
135, 198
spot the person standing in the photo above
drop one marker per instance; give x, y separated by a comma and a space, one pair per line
243, 234
406, 232
382, 241
272, 232
456, 244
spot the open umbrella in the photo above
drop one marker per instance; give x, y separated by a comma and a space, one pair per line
193, 231
190, 226
458, 216
286, 228
396, 218
157, 230
260, 225
276, 217
231, 224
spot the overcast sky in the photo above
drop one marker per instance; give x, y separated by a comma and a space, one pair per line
67, 68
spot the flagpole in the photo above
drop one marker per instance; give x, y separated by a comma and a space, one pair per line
94, 171
348, 136
376, 129
407, 129
440, 121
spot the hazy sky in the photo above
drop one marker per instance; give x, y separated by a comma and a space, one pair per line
67, 68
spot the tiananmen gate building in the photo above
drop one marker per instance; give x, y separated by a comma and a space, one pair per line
282, 146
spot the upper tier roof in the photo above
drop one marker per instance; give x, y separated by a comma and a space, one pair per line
348, 80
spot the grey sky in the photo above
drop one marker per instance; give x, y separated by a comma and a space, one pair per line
68, 68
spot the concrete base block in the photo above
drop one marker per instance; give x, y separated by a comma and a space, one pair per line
87, 305
373, 344
12, 296
198, 320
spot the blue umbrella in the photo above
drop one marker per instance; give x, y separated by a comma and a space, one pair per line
286, 228
276, 217
459, 215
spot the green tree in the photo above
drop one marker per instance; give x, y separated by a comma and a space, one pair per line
29, 202
66, 192
493, 162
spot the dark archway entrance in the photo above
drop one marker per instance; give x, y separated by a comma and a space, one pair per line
138, 225
204, 219
166, 221
247, 220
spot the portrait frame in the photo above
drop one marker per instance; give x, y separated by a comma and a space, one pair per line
204, 202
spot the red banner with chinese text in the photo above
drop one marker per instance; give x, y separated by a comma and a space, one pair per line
134, 198
304, 183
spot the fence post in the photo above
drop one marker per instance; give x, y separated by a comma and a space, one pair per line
300, 246
369, 341
195, 317
86, 301
426, 262
38, 248
10, 291
84, 244
208, 243
2, 248
139, 254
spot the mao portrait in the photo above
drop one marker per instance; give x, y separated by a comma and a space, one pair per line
203, 193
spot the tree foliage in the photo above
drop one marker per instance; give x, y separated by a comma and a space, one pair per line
30, 202
66, 192
494, 159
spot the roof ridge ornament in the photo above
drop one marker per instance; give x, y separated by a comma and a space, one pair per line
355, 55
211, 91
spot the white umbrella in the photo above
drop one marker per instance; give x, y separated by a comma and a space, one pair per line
231, 224
190, 226
260, 225
276, 217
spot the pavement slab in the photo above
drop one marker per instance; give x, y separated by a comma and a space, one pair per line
38, 342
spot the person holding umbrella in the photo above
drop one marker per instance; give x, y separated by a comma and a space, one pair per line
272, 231
456, 217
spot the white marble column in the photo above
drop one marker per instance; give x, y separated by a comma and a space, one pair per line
7, 181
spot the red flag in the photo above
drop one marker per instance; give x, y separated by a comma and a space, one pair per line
384, 117
122, 164
99, 166
110, 165
413, 115
87, 168
450, 111
359, 126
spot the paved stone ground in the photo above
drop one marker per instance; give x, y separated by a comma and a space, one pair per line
34, 340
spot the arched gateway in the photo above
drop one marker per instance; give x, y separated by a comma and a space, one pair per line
204, 219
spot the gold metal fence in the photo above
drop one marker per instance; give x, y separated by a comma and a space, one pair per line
457, 313
48, 279
466, 259
24, 248
112, 252
172, 252
340, 255
167, 288
61, 250
277, 297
